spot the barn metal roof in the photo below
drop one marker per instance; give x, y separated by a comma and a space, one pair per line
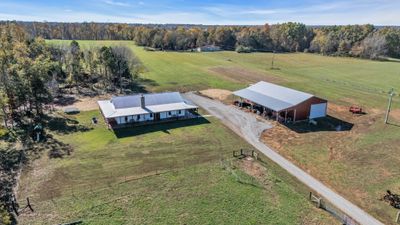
154, 103
273, 96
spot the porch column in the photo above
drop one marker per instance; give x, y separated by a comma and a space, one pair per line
277, 116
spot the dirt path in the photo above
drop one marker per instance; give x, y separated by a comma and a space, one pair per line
247, 126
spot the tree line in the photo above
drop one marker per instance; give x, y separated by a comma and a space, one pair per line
364, 41
32, 72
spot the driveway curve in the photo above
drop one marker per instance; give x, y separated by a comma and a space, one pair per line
248, 127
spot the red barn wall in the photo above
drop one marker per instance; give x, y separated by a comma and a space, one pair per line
303, 109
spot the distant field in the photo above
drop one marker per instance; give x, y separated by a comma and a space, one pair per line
110, 180
361, 164
335, 78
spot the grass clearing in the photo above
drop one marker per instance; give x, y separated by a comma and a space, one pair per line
168, 174
339, 79
363, 163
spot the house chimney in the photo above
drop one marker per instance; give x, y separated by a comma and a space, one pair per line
142, 102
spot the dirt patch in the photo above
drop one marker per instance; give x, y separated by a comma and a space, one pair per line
217, 94
253, 168
243, 75
83, 103
283, 138
395, 114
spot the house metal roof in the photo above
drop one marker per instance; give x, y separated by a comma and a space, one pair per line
273, 96
154, 103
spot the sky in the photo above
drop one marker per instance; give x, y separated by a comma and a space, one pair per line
208, 12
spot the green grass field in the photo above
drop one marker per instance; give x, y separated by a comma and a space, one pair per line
364, 162
110, 180
334, 78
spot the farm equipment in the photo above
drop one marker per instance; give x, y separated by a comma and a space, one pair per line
356, 110
392, 199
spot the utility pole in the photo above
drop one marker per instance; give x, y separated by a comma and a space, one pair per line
391, 94
273, 58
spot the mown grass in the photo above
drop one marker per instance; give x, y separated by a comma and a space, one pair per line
367, 159
110, 180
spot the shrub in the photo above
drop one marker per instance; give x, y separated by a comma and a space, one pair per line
243, 49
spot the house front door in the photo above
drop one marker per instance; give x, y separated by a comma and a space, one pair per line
157, 116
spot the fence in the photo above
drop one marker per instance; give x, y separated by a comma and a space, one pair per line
245, 153
338, 214
317, 200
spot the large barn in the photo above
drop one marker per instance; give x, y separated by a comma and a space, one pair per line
145, 108
282, 103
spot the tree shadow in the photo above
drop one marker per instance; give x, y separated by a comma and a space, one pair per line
63, 125
138, 86
328, 123
58, 149
65, 100
163, 127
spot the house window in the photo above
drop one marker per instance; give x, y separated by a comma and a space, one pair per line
169, 113
151, 115
179, 112
126, 119
138, 117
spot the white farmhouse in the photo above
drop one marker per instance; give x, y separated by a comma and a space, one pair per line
145, 108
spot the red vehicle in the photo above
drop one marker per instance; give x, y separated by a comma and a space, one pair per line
356, 110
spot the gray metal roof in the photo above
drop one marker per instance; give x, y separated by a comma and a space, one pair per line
154, 103
150, 99
273, 96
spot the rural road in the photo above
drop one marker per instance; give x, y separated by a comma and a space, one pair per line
248, 127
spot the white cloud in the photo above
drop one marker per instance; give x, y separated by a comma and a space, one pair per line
116, 3
378, 12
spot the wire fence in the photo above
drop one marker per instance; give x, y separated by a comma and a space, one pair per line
317, 200
331, 209
112, 183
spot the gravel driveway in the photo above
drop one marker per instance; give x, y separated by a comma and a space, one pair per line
248, 127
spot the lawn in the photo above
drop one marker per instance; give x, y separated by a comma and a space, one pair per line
361, 164
175, 173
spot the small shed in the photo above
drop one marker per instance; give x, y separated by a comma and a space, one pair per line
283, 103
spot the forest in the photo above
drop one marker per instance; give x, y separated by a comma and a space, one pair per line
365, 41
33, 74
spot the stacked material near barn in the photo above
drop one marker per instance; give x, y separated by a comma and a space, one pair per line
284, 102
146, 108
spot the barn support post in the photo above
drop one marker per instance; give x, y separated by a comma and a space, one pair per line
294, 119
286, 116
277, 116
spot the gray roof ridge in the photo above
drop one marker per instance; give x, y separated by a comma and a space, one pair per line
283, 87
268, 96
146, 94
